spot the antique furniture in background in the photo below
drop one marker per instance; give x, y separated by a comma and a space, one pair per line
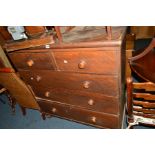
140, 103
77, 74
143, 32
141, 95
130, 41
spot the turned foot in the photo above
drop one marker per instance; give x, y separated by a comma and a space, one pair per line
43, 115
23, 110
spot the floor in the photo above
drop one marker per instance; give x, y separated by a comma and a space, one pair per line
33, 119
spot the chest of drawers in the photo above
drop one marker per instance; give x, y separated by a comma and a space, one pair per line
79, 81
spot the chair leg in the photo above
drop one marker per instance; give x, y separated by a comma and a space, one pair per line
23, 109
43, 115
12, 101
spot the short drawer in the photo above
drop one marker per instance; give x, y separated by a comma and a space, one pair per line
80, 115
86, 60
29, 60
104, 84
92, 101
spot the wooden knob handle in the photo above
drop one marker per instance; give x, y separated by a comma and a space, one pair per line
86, 84
30, 63
38, 78
47, 93
54, 110
93, 119
82, 64
91, 102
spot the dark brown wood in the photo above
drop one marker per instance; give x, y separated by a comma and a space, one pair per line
148, 86
144, 115
102, 103
29, 60
140, 103
143, 64
33, 31
29, 43
87, 81
4, 33
104, 84
146, 96
130, 45
144, 104
80, 115
86, 60
57, 88
129, 99
144, 111
58, 32
143, 32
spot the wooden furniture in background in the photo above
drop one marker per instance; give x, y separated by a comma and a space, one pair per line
130, 40
140, 103
143, 64
143, 32
80, 78
141, 95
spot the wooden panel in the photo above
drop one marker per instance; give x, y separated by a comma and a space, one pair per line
94, 101
146, 96
4, 33
144, 104
29, 43
142, 32
34, 30
85, 82
145, 111
27, 60
80, 115
148, 86
130, 38
86, 61
144, 115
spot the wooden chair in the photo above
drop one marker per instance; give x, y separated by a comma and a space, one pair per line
140, 103
141, 95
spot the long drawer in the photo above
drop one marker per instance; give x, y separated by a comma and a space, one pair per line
80, 115
26, 59
92, 101
86, 60
107, 85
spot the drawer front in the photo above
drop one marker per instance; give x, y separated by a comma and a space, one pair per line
107, 85
27, 60
79, 115
92, 101
86, 61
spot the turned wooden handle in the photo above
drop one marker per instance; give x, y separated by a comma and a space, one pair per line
38, 78
91, 102
82, 64
30, 62
86, 84
93, 119
54, 110
47, 93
